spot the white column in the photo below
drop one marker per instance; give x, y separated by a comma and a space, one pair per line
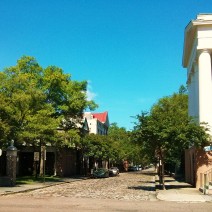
205, 88
190, 84
196, 92
193, 93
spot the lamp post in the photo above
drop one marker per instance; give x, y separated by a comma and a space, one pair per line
11, 163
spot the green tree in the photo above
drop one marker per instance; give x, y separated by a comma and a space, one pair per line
167, 130
21, 94
40, 106
122, 146
96, 147
119, 143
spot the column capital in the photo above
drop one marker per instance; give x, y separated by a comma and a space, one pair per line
200, 51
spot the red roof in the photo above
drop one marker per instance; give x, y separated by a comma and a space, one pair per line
102, 117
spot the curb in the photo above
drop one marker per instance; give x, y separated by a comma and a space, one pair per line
41, 187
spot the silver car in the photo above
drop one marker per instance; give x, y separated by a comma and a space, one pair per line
113, 171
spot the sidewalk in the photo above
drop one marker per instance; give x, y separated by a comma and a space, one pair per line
180, 192
27, 187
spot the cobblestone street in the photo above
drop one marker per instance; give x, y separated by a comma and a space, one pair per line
132, 191
127, 186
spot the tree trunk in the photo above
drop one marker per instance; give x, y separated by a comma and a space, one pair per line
162, 167
55, 163
161, 170
42, 160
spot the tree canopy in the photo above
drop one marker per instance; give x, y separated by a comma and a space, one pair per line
167, 130
36, 101
123, 147
115, 147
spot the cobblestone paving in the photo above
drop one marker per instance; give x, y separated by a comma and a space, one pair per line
127, 186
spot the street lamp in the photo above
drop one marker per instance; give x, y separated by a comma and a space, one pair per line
11, 163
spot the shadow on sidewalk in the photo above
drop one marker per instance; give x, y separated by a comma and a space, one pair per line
172, 183
149, 173
177, 186
144, 188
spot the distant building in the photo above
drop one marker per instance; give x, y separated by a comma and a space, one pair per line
98, 123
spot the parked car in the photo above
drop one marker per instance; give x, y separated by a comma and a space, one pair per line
101, 173
113, 171
132, 168
139, 167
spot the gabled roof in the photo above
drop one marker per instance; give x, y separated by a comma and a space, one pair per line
102, 117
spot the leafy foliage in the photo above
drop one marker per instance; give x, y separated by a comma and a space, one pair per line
167, 130
34, 102
96, 146
123, 148
116, 146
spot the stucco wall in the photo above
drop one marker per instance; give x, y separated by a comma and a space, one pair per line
197, 162
203, 164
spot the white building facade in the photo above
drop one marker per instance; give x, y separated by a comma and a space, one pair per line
98, 123
197, 59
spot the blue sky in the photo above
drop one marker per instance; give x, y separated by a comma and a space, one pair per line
130, 51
